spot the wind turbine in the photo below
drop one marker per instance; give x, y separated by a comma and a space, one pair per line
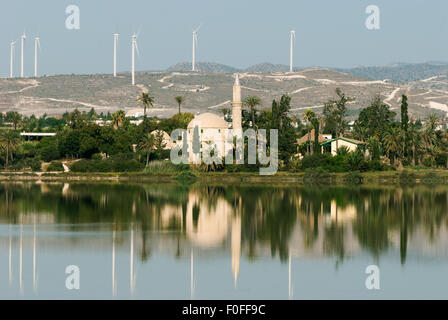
115, 53
36, 46
134, 48
195, 44
11, 63
22, 55
292, 38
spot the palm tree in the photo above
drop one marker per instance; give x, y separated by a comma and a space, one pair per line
9, 140
308, 116
118, 118
252, 102
146, 100
415, 138
429, 136
147, 144
393, 142
16, 119
180, 100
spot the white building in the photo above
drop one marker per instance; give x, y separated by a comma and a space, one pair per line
213, 131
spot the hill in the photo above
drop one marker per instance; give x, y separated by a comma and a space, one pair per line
211, 91
400, 72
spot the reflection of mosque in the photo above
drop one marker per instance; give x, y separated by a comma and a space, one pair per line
211, 224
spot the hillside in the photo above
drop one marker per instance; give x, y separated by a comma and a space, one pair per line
400, 72
210, 91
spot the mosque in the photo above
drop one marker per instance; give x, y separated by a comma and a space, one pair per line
213, 131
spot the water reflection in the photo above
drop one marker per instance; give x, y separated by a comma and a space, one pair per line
254, 222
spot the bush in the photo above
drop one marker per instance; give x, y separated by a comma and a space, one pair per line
354, 177
186, 177
109, 165
55, 166
315, 175
165, 166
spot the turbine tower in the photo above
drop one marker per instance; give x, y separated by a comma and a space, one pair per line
195, 44
115, 53
134, 48
292, 37
21, 56
11, 63
36, 46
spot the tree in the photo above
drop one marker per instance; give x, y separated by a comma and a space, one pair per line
287, 135
180, 100
159, 142
118, 118
334, 114
374, 120
252, 102
147, 144
429, 136
16, 119
393, 140
315, 123
146, 100
9, 140
405, 123
308, 116
415, 139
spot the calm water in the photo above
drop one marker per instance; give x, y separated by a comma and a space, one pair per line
166, 241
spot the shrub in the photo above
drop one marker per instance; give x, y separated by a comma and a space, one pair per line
55, 166
109, 165
164, 166
354, 177
342, 151
316, 175
186, 177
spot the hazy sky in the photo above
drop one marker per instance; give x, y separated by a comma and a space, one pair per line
234, 32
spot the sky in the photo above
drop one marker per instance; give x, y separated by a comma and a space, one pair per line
239, 33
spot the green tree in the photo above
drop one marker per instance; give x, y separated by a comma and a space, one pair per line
118, 119
334, 114
9, 140
393, 140
287, 135
180, 100
375, 120
252, 102
16, 119
146, 100
405, 123
308, 116
147, 144
317, 147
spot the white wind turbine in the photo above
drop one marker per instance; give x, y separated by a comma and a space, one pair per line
36, 46
115, 53
291, 44
11, 62
134, 48
22, 54
195, 44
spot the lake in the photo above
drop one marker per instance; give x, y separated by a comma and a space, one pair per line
172, 241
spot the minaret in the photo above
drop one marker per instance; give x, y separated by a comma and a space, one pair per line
236, 107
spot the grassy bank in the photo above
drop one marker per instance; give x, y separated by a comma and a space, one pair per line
410, 176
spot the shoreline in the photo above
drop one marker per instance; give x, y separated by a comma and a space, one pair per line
409, 176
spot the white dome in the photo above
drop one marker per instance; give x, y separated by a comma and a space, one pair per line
208, 121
